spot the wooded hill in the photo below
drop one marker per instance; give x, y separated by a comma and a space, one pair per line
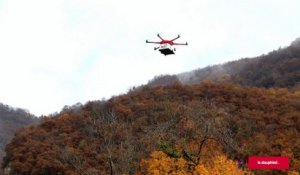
185, 129
198, 122
279, 68
12, 119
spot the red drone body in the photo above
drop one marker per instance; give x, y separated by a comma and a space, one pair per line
166, 45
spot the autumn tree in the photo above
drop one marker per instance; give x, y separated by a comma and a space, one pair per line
161, 164
203, 127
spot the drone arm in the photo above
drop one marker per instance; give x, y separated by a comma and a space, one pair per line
159, 37
185, 44
176, 38
152, 42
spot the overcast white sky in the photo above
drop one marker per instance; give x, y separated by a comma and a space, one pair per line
60, 52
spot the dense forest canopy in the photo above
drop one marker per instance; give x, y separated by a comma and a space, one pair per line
119, 135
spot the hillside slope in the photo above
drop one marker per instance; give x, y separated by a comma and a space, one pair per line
112, 137
279, 68
11, 120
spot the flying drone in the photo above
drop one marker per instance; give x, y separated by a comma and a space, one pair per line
166, 46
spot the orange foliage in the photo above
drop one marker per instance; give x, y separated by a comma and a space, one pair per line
161, 164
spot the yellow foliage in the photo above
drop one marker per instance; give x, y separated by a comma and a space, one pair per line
220, 166
293, 173
201, 170
161, 164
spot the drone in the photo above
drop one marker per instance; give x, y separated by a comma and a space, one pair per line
166, 46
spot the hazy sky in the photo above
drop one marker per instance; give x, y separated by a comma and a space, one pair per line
60, 52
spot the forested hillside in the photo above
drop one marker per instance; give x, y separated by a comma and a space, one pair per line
12, 119
198, 122
164, 130
279, 68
